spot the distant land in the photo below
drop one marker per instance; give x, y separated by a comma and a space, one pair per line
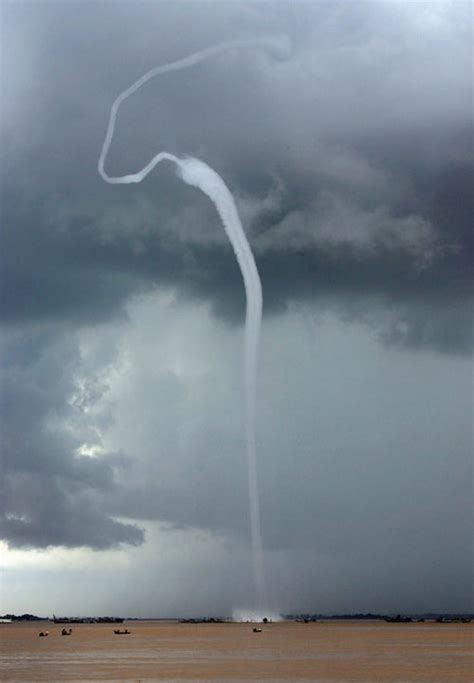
22, 617
398, 618
62, 620
369, 616
441, 617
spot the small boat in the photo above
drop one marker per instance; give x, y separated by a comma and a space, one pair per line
257, 629
66, 631
119, 632
43, 634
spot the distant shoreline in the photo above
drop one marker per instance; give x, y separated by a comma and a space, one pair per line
443, 617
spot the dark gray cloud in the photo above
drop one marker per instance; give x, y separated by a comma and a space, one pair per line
350, 158
51, 493
362, 140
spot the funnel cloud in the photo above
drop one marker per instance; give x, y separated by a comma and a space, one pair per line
198, 174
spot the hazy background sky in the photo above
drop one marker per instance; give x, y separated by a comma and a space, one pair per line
350, 159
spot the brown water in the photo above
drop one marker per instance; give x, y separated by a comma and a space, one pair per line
328, 652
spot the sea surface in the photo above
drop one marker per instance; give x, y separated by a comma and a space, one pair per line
326, 652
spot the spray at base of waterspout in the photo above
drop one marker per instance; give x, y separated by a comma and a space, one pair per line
252, 616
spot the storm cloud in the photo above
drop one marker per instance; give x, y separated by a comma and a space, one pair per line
350, 158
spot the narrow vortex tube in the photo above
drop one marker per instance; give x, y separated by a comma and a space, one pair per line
198, 174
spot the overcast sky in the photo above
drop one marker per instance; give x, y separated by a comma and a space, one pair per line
349, 154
